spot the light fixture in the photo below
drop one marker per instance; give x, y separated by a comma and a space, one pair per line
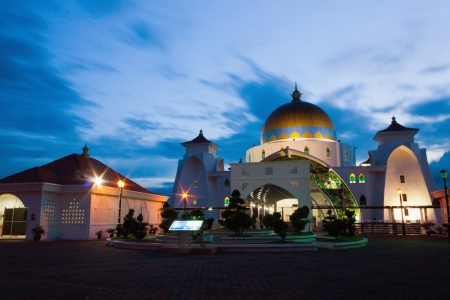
444, 176
98, 181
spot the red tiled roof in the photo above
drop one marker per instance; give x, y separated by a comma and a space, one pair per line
74, 169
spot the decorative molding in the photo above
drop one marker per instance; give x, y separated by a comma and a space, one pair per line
269, 171
294, 170
295, 184
244, 172
244, 185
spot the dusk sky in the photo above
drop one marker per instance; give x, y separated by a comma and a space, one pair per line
134, 79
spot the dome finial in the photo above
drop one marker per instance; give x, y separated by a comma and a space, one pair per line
393, 120
85, 151
201, 132
296, 94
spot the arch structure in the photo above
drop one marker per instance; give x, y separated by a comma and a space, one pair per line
324, 179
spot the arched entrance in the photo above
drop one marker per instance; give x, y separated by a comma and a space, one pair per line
327, 188
13, 217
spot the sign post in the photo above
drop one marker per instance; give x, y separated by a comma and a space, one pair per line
186, 226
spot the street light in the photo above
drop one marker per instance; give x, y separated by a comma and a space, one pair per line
399, 191
185, 197
444, 176
120, 184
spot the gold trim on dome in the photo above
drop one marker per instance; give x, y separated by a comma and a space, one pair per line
266, 139
297, 113
318, 135
327, 136
273, 138
294, 135
307, 134
283, 136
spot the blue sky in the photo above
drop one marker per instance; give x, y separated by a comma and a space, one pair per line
134, 79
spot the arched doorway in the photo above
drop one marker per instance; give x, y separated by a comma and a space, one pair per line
13, 217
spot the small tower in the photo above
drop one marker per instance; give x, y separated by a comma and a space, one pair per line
85, 151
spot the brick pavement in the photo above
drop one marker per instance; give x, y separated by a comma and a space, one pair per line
389, 267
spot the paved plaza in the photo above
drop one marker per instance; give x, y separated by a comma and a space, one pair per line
410, 267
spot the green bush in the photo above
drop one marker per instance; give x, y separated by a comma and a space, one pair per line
198, 214
349, 220
185, 216
208, 223
238, 222
268, 220
236, 203
279, 227
333, 225
134, 226
299, 218
277, 215
170, 215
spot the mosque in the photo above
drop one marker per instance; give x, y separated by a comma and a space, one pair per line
301, 162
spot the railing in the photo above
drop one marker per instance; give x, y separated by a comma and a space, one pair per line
387, 228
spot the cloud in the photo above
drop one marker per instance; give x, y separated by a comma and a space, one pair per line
142, 34
437, 166
435, 69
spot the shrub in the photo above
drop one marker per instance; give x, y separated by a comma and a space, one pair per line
238, 222
170, 215
236, 203
431, 231
298, 218
185, 216
197, 214
333, 225
135, 226
440, 230
349, 220
38, 230
279, 227
277, 215
208, 223
268, 220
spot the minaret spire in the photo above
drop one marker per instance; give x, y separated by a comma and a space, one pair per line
296, 94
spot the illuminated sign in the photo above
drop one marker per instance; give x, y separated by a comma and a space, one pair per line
186, 225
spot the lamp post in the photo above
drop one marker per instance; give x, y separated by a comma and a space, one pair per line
121, 184
185, 198
444, 176
399, 191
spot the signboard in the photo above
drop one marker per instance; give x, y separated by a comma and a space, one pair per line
186, 225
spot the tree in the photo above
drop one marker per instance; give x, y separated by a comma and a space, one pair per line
268, 220
333, 225
236, 203
170, 215
299, 218
198, 214
135, 226
238, 222
279, 227
350, 222
185, 216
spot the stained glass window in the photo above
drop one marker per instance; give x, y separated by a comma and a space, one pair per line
226, 183
352, 178
226, 201
328, 152
306, 149
361, 178
263, 154
362, 200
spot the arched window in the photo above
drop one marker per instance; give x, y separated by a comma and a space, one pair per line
263, 154
226, 201
361, 178
195, 184
352, 178
362, 200
346, 154
306, 149
328, 154
226, 183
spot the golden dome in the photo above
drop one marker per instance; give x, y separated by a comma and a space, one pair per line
298, 119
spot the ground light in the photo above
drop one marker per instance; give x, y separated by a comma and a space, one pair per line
444, 176
120, 184
399, 191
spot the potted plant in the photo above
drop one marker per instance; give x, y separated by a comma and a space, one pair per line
37, 232
99, 234
111, 232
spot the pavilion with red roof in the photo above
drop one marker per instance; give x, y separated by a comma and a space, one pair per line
72, 198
